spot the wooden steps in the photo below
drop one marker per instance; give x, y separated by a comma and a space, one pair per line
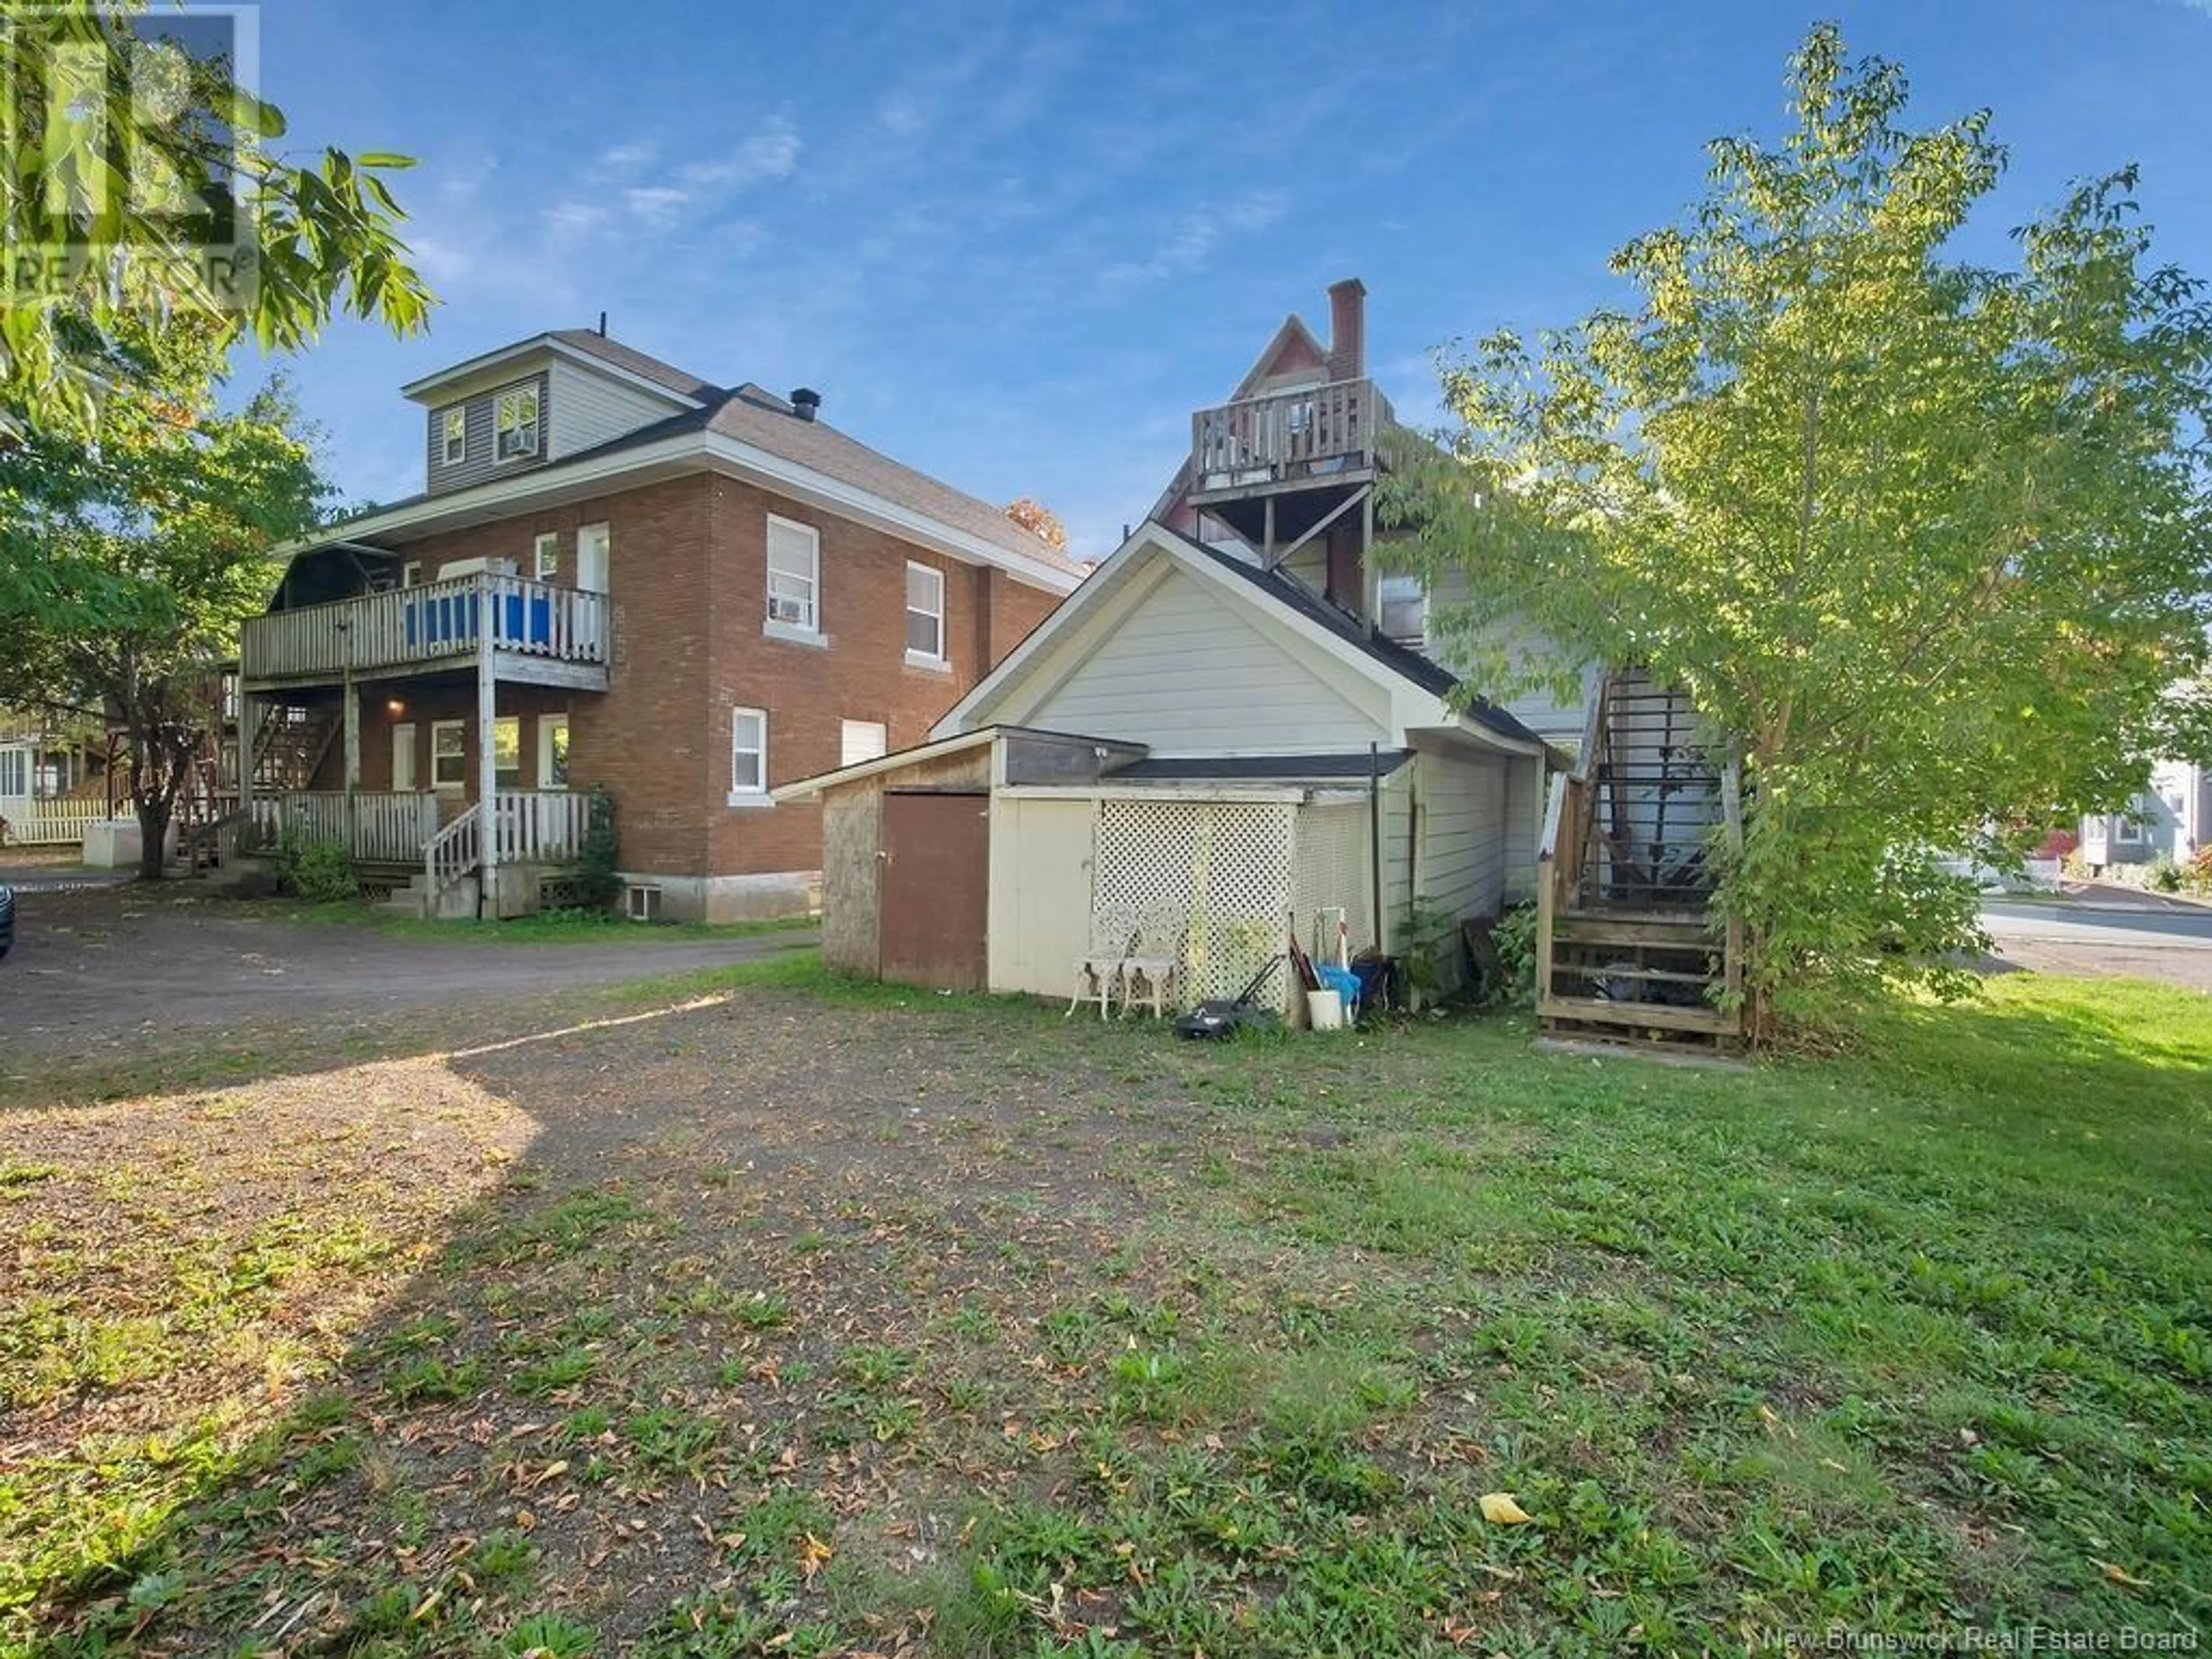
1629, 947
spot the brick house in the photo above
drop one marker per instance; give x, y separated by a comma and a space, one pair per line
620, 575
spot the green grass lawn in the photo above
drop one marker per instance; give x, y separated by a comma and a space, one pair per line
847, 1320
541, 927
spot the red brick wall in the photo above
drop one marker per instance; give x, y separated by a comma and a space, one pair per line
687, 590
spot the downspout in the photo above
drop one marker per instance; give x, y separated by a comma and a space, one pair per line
1374, 841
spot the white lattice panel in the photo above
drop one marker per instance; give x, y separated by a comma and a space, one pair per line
1330, 869
1225, 867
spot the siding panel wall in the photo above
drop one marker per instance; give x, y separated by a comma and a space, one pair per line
587, 410
1187, 674
479, 464
1463, 835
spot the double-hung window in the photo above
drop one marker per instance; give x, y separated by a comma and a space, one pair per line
925, 614
449, 755
456, 433
748, 755
516, 424
545, 556
794, 577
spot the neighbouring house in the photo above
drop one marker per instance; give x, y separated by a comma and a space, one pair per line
2171, 817
66, 779
620, 575
1238, 721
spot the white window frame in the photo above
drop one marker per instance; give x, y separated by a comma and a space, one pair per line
862, 740
459, 786
756, 794
597, 538
793, 614
545, 556
455, 432
502, 426
919, 659
15, 770
410, 573
501, 727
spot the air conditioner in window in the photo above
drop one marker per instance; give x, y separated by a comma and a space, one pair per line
475, 567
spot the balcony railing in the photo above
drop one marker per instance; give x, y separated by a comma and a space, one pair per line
1308, 429
429, 622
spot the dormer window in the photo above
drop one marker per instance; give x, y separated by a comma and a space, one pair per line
456, 434
516, 424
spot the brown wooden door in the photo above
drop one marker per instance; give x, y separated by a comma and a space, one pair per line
936, 866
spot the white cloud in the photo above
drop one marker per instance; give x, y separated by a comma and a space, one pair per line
573, 218
768, 155
1195, 236
656, 205
627, 157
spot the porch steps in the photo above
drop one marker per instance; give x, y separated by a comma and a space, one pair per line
458, 902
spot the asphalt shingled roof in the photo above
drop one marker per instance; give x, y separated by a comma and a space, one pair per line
753, 414
1270, 769
1432, 677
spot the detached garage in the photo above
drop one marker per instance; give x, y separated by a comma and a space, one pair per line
1190, 747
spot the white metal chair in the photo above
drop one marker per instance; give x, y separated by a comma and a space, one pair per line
1113, 938
1155, 958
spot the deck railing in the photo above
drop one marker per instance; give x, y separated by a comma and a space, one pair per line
1285, 434
427, 622
530, 826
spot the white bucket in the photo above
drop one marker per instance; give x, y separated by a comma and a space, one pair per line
1325, 1009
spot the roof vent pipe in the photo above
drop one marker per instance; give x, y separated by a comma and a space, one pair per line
603, 326
805, 403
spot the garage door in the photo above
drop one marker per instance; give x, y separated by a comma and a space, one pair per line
936, 860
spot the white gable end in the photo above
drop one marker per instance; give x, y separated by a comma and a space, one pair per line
1187, 673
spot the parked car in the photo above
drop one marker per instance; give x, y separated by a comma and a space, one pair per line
7, 918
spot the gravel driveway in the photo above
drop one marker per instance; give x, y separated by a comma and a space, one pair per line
106, 967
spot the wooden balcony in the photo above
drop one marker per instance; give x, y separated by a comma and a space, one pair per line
1308, 435
539, 634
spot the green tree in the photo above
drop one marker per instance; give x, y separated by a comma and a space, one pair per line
1926, 542
121, 155
149, 547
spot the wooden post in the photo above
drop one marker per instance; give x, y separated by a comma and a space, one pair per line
352, 762
487, 762
249, 734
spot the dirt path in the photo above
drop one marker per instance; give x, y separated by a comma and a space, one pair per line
105, 968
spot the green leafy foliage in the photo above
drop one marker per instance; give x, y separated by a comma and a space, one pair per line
599, 860
128, 131
129, 561
1925, 541
318, 869
1514, 938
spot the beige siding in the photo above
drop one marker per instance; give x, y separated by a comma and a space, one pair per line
1043, 853
1544, 712
1524, 826
587, 410
1188, 674
1398, 816
1462, 846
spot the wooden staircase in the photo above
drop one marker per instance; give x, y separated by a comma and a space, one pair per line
1628, 946
289, 746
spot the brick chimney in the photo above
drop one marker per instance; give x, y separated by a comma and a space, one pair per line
1347, 329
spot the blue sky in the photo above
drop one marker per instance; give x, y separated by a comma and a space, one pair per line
1016, 244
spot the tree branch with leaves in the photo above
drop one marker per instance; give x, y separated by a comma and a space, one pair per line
1926, 542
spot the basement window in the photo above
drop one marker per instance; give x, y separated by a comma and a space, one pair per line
643, 901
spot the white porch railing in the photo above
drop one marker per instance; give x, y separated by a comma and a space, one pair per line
539, 826
388, 827
59, 822
532, 826
427, 622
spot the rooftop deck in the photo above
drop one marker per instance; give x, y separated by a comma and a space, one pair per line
1305, 435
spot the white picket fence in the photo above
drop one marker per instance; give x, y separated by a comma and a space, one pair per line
51, 822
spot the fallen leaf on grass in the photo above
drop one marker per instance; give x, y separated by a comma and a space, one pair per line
1500, 1511
2120, 1575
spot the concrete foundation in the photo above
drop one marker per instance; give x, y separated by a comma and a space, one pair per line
734, 898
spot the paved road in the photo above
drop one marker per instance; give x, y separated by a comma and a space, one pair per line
2146, 935
96, 969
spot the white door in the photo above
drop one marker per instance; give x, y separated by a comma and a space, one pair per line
403, 757
593, 545
552, 751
